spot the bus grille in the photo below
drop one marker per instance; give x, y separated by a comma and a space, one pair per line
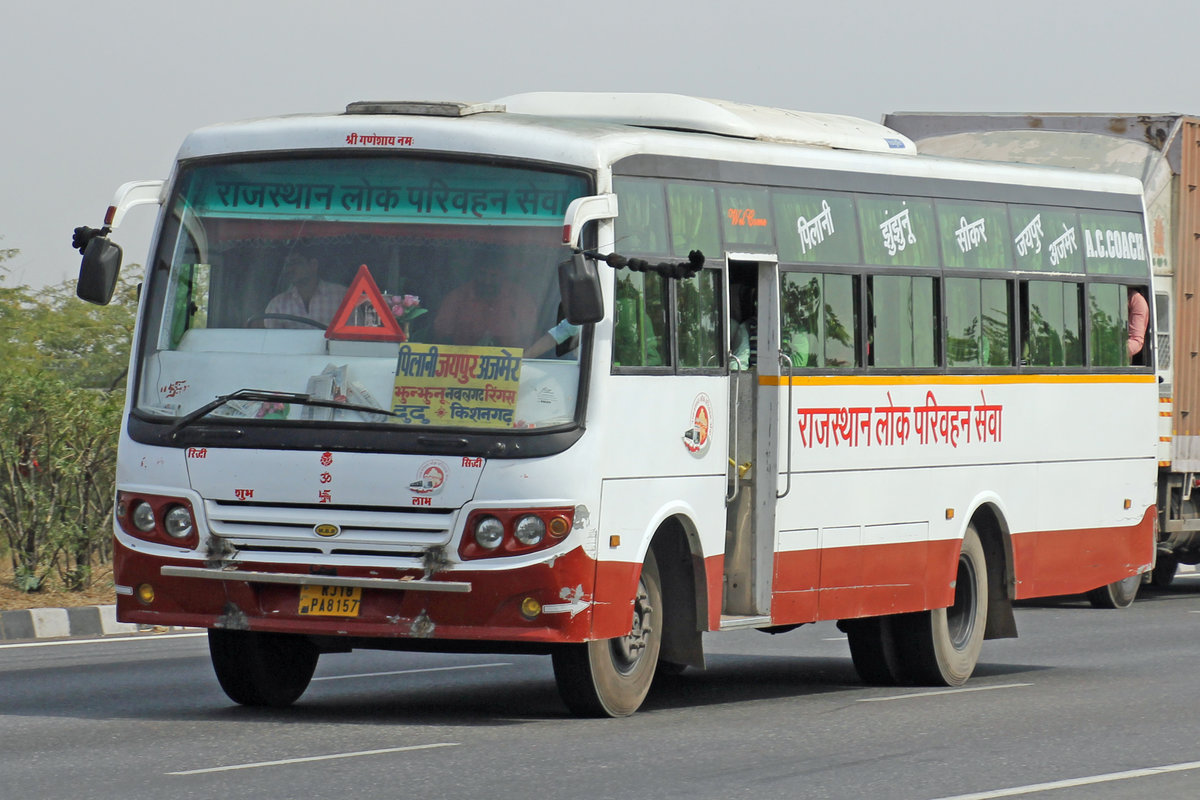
364, 535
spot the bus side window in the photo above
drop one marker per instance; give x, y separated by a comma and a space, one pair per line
904, 328
639, 336
819, 319
698, 320
1051, 324
1108, 326
978, 323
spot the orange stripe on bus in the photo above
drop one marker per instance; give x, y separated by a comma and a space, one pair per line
945, 380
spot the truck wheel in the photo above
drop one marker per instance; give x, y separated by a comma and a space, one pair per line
1164, 571
1119, 594
611, 677
262, 669
941, 647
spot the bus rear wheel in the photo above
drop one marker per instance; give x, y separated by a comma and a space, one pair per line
611, 677
262, 669
873, 650
941, 647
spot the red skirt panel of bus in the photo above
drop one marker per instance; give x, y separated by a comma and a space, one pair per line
864, 581
874, 580
1049, 563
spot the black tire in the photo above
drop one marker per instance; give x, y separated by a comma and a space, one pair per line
1164, 571
611, 677
262, 669
1119, 594
873, 650
941, 647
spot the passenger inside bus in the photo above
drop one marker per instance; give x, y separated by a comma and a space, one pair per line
307, 296
744, 310
1139, 319
488, 310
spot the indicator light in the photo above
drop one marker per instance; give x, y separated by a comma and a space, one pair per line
530, 608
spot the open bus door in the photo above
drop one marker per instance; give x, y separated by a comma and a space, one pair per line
760, 388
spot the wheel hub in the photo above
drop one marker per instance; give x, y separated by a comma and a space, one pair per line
627, 650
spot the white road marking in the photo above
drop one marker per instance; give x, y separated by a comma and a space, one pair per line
939, 692
134, 637
410, 671
308, 759
1072, 782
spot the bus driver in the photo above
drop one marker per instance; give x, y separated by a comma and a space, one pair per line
308, 296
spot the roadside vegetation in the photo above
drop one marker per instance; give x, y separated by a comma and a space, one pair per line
62, 387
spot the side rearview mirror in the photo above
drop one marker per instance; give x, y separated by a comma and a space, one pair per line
579, 285
99, 270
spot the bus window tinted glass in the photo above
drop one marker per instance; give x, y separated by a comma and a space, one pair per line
898, 231
903, 318
1107, 309
1050, 311
698, 304
694, 223
746, 216
978, 323
642, 223
819, 324
640, 334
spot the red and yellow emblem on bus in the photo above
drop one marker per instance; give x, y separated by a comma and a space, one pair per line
696, 439
430, 477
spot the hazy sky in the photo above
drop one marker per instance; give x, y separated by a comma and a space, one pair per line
95, 94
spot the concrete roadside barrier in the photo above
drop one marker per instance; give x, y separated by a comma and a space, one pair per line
61, 623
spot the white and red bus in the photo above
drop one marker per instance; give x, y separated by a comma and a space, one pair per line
592, 375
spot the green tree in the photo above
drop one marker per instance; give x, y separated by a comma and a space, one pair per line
57, 470
62, 369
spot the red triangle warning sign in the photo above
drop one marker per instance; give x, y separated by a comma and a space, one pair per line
364, 314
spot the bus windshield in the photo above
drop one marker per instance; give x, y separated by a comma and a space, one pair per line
424, 288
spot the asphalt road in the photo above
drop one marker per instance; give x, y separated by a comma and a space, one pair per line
1086, 704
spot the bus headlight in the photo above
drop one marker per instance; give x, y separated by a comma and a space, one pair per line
506, 532
178, 522
489, 532
143, 517
530, 530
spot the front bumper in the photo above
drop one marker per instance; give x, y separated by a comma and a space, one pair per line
481, 605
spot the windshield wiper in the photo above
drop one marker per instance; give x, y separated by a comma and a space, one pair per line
269, 396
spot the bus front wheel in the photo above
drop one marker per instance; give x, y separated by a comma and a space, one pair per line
611, 677
262, 669
941, 647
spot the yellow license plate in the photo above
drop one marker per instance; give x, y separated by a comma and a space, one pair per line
330, 601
